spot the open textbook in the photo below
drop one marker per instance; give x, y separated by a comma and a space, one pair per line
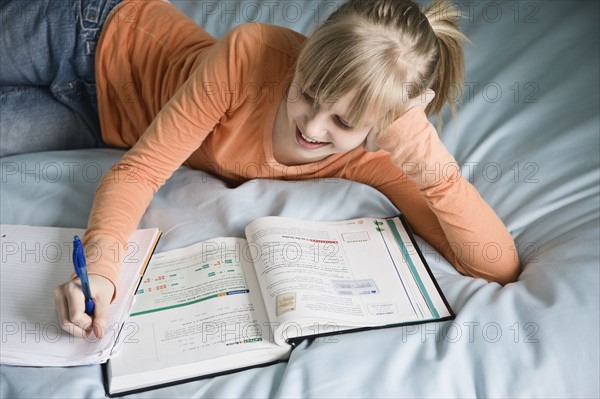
34, 260
230, 303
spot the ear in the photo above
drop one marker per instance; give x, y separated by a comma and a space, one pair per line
369, 144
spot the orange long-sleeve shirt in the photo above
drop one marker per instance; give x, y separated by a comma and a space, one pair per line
175, 95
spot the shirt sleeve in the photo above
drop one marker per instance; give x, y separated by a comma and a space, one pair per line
179, 129
441, 205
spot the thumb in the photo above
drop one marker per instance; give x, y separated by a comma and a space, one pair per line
103, 291
100, 320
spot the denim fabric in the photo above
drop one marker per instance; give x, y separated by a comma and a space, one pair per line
47, 83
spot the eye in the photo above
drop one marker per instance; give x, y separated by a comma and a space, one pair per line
307, 97
343, 124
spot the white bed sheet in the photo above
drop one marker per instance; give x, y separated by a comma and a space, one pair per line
533, 151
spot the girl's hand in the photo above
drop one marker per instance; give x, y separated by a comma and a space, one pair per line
70, 306
421, 100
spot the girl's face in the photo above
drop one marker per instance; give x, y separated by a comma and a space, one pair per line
308, 134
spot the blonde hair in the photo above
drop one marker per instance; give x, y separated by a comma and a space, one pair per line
389, 51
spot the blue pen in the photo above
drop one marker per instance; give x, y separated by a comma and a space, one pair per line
79, 264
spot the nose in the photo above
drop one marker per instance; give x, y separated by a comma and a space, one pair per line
315, 125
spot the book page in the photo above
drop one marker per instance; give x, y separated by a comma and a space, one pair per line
35, 260
338, 275
194, 305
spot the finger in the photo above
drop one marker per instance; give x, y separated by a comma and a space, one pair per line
429, 96
76, 307
422, 99
62, 311
370, 144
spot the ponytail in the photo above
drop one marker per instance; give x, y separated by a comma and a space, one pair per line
448, 77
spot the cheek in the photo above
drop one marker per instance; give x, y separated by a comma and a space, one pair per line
347, 141
295, 109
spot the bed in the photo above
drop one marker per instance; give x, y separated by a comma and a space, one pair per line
527, 136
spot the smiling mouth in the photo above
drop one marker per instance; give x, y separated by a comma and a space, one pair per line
307, 142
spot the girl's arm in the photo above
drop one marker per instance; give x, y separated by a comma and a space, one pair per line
454, 219
176, 132
126, 190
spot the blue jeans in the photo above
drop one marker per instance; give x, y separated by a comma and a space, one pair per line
47, 82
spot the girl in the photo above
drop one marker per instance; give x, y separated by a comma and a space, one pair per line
350, 102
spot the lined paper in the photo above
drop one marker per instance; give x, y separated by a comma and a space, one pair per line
34, 260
